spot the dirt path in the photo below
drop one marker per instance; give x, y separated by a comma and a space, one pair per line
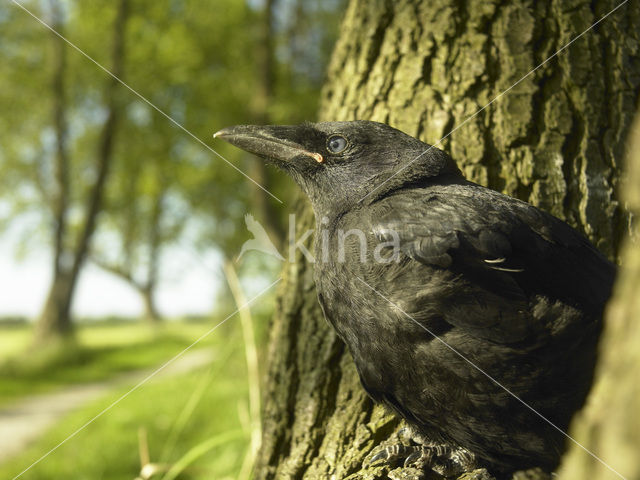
25, 421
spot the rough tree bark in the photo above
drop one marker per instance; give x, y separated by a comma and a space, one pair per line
610, 424
555, 139
55, 319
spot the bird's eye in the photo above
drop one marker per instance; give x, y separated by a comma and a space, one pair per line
336, 144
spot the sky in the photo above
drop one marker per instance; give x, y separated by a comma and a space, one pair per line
188, 285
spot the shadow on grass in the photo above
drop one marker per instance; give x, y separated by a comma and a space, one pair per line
61, 364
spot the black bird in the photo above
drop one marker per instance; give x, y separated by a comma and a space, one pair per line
473, 315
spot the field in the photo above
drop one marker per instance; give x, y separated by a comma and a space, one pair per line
196, 424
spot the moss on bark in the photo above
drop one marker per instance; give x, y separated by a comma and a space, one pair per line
609, 426
554, 138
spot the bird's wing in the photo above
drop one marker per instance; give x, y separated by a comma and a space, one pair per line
504, 251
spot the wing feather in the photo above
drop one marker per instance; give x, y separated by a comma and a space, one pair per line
504, 253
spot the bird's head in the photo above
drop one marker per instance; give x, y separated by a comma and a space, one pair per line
340, 164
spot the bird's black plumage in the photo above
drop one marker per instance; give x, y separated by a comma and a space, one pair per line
474, 284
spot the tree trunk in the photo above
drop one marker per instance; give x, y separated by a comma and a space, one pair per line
610, 425
151, 238
60, 194
55, 318
151, 315
55, 315
261, 201
146, 288
554, 139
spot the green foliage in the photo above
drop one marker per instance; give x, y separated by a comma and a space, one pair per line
198, 63
201, 66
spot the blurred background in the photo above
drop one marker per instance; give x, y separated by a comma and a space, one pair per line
120, 228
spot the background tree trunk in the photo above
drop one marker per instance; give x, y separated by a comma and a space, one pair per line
554, 139
60, 194
264, 205
55, 319
55, 306
151, 314
148, 290
140, 231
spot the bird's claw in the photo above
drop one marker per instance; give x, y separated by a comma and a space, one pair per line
381, 455
393, 453
414, 457
442, 459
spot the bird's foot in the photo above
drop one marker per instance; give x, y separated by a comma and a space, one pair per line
445, 460
393, 454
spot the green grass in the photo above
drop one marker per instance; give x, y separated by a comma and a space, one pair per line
197, 420
197, 413
13, 340
101, 351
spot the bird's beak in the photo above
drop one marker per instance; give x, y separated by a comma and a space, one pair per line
274, 142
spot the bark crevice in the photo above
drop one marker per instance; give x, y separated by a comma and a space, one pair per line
426, 67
